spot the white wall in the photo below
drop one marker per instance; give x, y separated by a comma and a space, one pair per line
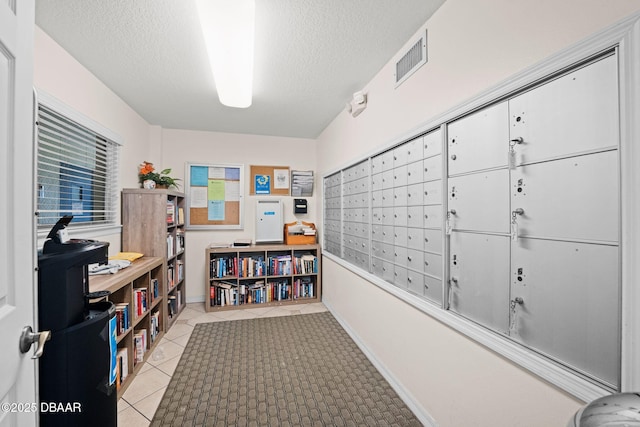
180, 147
473, 45
60, 75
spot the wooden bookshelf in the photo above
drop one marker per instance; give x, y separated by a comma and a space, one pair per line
264, 275
153, 224
144, 274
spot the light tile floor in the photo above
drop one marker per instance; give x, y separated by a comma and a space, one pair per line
141, 399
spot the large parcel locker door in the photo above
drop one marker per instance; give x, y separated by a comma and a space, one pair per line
575, 198
570, 303
480, 201
479, 277
575, 113
479, 141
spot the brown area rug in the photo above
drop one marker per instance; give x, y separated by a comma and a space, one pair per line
301, 370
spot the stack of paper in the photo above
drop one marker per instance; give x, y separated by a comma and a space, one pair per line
302, 183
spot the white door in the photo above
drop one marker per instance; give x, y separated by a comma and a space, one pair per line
17, 275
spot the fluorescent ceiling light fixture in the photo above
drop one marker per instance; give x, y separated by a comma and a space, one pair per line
228, 29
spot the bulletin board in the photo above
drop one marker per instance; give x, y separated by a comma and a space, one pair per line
269, 180
214, 196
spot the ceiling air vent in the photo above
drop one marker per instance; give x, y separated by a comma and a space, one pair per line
413, 59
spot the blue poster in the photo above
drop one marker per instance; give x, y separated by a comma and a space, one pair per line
199, 176
113, 347
263, 184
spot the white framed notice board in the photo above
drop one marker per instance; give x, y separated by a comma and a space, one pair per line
214, 196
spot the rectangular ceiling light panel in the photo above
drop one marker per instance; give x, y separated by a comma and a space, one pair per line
228, 30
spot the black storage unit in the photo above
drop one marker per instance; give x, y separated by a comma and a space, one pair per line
77, 368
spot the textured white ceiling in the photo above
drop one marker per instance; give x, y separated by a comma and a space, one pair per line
311, 56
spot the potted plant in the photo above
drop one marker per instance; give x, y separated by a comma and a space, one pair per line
151, 179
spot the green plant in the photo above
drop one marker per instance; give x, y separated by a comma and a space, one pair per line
146, 171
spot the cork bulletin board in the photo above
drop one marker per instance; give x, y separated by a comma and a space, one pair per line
269, 180
214, 196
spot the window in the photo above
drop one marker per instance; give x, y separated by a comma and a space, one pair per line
77, 169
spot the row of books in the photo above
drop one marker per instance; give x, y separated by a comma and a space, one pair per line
179, 241
305, 264
251, 267
175, 274
123, 321
279, 265
171, 214
276, 265
140, 304
175, 245
304, 287
223, 266
228, 293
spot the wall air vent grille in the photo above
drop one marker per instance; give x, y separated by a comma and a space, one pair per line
413, 59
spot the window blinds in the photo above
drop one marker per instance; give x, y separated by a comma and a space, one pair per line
77, 172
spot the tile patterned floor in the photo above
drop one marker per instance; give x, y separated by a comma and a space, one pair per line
141, 399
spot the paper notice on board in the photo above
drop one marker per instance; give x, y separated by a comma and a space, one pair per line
217, 173
199, 175
216, 210
281, 178
216, 189
198, 197
232, 191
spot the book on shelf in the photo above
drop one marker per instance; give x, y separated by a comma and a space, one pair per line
179, 241
219, 245
180, 216
171, 247
171, 277
155, 325
122, 366
139, 345
155, 288
180, 268
172, 306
